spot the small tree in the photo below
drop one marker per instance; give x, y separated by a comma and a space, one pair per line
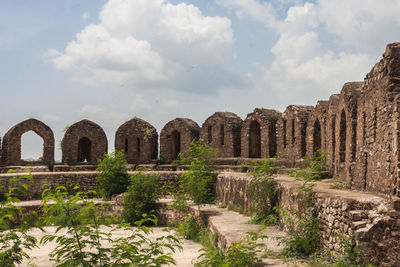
113, 177
197, 183
141, 197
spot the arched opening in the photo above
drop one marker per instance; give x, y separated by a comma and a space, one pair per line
284, 134
209, 130
303, 139
222, 135
293, 132
32, 146
255, 140
126, 145
342, 137
84, 150
317, 136
138, 148
272, 139
176, 144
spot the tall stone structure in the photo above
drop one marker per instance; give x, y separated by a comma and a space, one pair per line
138, 139
259, 138
176, 137
316, 129
346, 130
330, 134
11, 150
83, 142
222, 131
292, 132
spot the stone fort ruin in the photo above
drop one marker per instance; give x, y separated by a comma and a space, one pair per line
359, 129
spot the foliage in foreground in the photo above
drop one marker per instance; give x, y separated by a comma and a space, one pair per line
113, 177
244, 252
263, 191
197, 182
315, 167
141, 197
88, 230
14, 240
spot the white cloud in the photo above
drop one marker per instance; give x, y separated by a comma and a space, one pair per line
145, 41
85, 16
139, 103
50, 117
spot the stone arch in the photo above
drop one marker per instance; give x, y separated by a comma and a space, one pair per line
266, 145
317, 139
292, 132
342, 136
255, 140
177, 136
138, 139
84, 141
11, 149
222, 131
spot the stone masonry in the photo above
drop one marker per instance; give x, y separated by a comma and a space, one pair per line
316, 129
259, 133
138, 139
222, 131
11, 150
176, 137
84, 141
292, 131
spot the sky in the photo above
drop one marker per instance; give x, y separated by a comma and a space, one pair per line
111, 60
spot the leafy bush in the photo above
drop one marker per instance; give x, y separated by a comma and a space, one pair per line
245, 252
141, 197
315, 167
113, 177
190, 229
197, 183
87, 244
14, 237
263, 190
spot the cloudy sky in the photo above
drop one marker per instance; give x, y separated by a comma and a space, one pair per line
108, 61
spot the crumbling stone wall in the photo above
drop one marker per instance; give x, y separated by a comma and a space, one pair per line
292, 132
331, 131
259, 138
346, 131
222, 131
11, 150
84, 141
378, 130
139, 141
316, 129
176, 137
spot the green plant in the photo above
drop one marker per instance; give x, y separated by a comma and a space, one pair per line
190, 229
161, 159
340, 184
88, 240
263, 190
113, 177
148, 133
141, 197
14, 237
315, 168
244, 252
196, 183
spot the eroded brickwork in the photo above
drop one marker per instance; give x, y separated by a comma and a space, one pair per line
11, 150
346, 131
84, 141
222, 131
259, 138
176, 137
139, 141
331, 131
292, 131
316, 129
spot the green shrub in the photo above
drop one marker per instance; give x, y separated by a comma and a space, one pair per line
14, 237
315, 168
263, 190
141, 197
197, 182
113, 177
88, 244
244, 252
